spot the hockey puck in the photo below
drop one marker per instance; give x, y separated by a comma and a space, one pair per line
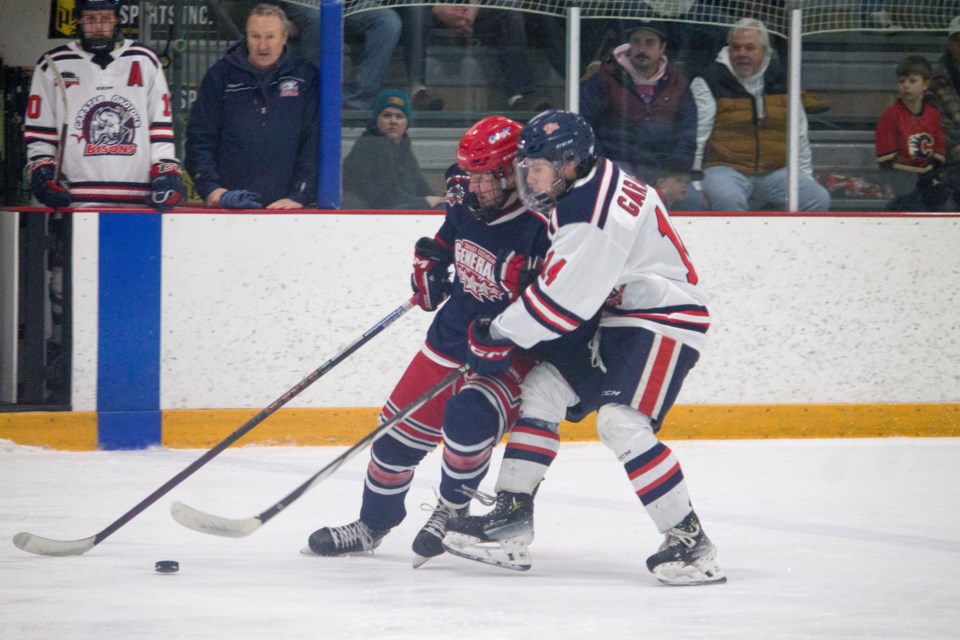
166, 566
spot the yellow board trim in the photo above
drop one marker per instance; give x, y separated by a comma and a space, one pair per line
202, 429
70, 431
313, 427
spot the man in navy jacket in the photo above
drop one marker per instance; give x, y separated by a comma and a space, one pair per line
641, 108
252, 135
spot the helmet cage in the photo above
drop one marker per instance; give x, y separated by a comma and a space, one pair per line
486, 203
96, 45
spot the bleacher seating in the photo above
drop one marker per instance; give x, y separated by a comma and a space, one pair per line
852, 72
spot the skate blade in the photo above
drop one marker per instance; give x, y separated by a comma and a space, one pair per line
701, 572
419, 561
506, 554
307, 551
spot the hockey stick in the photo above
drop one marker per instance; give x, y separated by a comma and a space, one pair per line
62, 90
48, 547
240, 527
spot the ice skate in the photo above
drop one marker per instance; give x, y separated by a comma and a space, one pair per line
428, 543
686, 557
499, 538
355, 537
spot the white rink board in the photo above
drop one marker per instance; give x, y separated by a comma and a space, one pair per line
806, 309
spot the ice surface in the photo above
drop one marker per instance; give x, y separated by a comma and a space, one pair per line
819, 538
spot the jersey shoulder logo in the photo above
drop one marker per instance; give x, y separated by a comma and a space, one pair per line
289, 89
475, 269
70, 79
108, 127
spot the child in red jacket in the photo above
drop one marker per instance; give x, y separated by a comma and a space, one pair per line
909, 143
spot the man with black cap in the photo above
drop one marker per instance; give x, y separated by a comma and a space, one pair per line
641, 108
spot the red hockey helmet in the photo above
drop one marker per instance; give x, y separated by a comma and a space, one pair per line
490, 146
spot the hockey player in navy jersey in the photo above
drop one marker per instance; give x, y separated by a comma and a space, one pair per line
110, 97
613, 247
492, 240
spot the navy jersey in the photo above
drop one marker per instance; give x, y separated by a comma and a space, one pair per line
476, 246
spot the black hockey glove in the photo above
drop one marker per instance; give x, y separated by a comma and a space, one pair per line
166, 185
515, 272
487, 355
43, 187
240, 199
431, 273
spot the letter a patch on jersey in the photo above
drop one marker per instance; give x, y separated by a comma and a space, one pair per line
135, 79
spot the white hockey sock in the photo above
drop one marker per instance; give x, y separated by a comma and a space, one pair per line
651, 466
532, 447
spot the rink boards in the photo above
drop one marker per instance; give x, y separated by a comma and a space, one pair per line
187, 324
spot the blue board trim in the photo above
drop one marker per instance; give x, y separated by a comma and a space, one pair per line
128, 352
331, 101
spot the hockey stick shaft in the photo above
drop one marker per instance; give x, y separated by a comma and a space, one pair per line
236, 528
62, 91
44, 546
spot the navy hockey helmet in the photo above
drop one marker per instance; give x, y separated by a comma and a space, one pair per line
565, 140
97, 45
80, 6
490, 146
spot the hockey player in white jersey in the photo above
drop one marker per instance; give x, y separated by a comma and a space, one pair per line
98, 122
612, 247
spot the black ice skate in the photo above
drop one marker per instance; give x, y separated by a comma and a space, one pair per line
355, 537
427, 544
686, 557
499, 538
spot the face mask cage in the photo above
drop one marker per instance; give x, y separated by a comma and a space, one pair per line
545, 200
97, 45
494, 195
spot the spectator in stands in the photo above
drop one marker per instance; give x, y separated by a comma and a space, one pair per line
501, 28
641, 108
945, 94
376, 26
674, 188
909, 141
252, 134
381, 171
380, 30
742, 120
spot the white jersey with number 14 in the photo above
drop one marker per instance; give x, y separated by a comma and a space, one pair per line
612, 246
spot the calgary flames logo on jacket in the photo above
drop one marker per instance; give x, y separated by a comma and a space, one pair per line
475, 270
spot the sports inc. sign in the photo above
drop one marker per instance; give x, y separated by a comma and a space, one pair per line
63, 25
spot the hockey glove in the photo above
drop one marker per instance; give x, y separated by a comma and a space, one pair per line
487, 355
44, 187
431, 273
166, 185
240, 199
515, 272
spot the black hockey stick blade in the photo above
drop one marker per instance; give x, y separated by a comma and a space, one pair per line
32, 543
240, 527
